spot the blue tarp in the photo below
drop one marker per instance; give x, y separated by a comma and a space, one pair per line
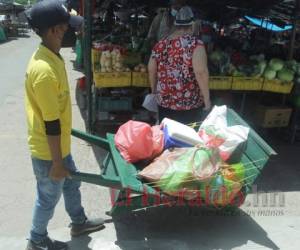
267, 24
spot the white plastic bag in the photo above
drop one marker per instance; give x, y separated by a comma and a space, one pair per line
150, 103
215, 132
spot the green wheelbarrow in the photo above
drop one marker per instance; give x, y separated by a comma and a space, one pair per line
129, 193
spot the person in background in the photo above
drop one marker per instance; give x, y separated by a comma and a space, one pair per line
163, 23
178, 72
49, 119
208, 36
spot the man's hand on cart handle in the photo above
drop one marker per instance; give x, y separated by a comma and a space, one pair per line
58, 172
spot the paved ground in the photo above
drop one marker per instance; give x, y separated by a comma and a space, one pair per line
262, 227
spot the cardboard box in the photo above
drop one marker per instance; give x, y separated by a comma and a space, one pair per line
272, 117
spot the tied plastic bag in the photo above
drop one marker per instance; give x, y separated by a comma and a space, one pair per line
177, 171
138, 141
215, 132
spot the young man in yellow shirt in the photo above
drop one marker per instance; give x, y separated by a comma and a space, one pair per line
48, 108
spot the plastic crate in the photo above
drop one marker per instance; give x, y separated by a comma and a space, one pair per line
140, 79
278, 86
247, 83
114, 103
110, 80
220, 82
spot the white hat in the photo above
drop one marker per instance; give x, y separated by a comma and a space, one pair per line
184, 17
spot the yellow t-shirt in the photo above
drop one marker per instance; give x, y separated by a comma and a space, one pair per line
47, 99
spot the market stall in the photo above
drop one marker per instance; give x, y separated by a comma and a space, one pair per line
10, 23
115, 55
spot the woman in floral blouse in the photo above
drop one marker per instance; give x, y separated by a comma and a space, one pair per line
178, 72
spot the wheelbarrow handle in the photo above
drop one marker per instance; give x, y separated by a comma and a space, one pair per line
96, 179
95, 140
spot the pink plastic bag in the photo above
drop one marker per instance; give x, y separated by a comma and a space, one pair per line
138, 141
157, 140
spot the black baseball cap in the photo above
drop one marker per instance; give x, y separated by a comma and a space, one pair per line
48, 13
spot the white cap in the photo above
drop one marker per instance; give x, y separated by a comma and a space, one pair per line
184, 17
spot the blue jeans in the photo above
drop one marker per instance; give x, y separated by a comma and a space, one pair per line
48, 195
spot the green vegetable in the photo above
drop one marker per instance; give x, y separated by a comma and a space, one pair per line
256, 71
238, 73
292, 65
298, 70
262, 66
276, 64
216, 56
269, 74
285, 75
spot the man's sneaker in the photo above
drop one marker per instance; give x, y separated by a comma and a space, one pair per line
87, 227
47, 244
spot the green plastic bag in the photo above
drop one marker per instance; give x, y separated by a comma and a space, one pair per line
194, 166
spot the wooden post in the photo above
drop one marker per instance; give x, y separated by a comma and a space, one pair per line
294, 31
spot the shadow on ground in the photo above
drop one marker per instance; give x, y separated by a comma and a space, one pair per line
80, 243
282, 171
176, 228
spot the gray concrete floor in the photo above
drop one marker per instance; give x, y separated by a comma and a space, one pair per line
257, 227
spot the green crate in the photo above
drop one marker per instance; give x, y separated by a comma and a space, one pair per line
114, 103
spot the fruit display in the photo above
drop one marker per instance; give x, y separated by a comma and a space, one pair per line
222, 63
109, 58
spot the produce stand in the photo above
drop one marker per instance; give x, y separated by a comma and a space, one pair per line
129, 191
114, 94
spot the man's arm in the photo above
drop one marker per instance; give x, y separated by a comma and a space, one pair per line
53, 132
201, 73
152, 69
